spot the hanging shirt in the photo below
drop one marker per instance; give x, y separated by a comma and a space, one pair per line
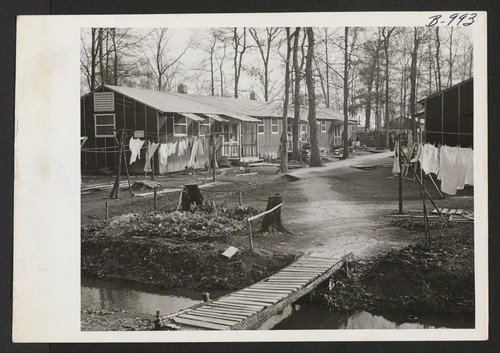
163, 154
149, 154
396, 169
135, 149
449, 169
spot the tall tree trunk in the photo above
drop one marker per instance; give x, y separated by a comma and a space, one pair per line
346, 95
115, 58
93, 59
327, 74
284, 152
450, 73
413, 81
101, 59
386, 112
438, 61
315, 157
296, 98
212, 81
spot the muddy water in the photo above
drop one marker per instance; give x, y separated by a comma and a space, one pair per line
111, 295
115, 295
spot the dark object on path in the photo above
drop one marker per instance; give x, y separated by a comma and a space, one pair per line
102, 171
272, 220
190, 194
142, 185
374, 150
365, 166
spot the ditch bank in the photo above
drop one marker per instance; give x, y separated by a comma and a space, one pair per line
177, 250
411, 281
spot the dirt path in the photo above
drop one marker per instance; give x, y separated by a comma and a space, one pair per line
339, 209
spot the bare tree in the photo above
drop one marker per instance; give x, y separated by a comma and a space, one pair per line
417, 38
315, 157
283, 140
438, 61
159, 61
297, 69
386, 34
240, 46
264, 46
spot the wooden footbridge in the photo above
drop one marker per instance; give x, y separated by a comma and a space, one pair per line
248, 308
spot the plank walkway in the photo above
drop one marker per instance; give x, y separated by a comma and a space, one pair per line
248, 308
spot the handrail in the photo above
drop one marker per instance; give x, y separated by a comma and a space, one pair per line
264, 213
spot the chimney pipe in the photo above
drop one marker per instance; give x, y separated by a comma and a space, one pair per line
182, 88
253, 96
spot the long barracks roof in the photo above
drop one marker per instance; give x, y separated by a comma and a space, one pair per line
240, 109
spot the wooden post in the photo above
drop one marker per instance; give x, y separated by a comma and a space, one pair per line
240, 199
126, 171
400, 190
116, 186
250, 234
155, 199
106, 208
205, 296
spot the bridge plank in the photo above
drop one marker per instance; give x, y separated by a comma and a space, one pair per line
208, 319
205, 325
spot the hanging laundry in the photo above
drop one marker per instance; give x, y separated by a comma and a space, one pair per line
396, 169
429, 160
465, 166
172, 146
417, 153
449, 169
149, 154
195, 151
163, 154
469, 161
135, 149
182, 147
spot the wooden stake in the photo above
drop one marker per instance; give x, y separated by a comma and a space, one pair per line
240, 200
250, 234
106, 208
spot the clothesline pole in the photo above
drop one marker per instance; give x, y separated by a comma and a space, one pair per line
126, 171
116, 186
420, 182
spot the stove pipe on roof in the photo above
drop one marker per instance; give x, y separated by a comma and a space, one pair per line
182, 88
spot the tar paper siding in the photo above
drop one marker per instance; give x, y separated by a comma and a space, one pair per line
131, 114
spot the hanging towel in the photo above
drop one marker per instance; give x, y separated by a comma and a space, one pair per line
172, 146
449, 169
417, 154
163, 154
396, 169
196, 151
182, 147
429, 159
149, 154
469, 165
135, 149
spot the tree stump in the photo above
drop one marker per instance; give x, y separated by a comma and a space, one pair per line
272, 220
190, 194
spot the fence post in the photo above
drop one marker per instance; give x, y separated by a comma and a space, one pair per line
155, 199
106, 208
240, 199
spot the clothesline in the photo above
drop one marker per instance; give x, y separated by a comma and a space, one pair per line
450, 133
452, 165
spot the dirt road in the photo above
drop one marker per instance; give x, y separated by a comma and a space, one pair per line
338, 209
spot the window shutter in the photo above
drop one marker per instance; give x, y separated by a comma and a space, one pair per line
104, 101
